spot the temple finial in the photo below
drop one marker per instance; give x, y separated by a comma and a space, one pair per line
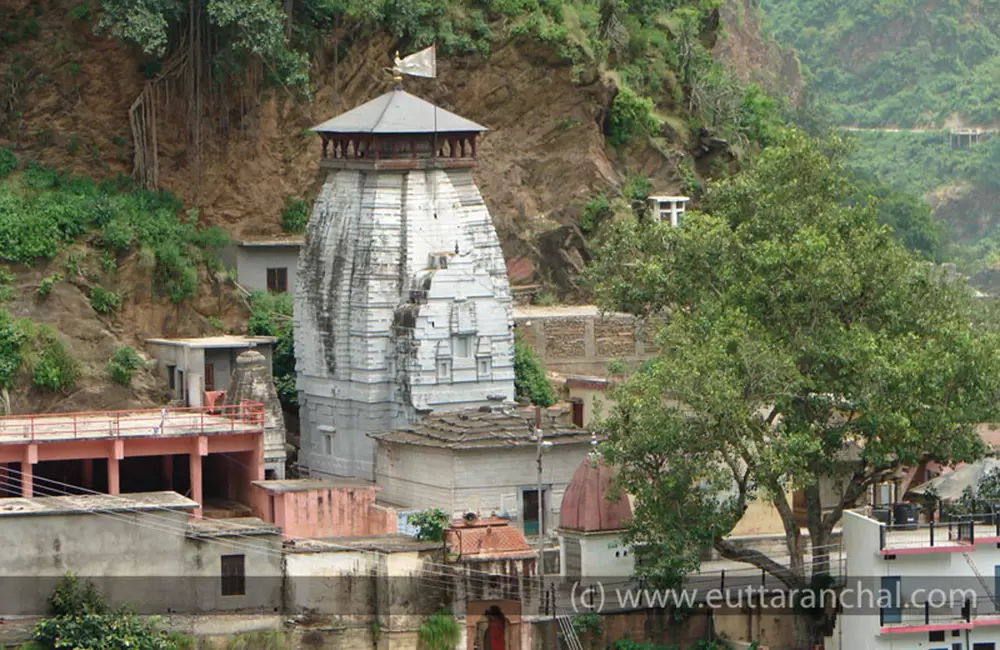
397, 73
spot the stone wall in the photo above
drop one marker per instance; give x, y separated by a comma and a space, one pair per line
581, 340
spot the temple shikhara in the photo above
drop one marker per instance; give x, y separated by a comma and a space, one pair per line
403, 304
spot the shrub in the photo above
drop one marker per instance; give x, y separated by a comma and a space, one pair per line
47, 284
295, 215
630, 114
595, 210
11, 341
439, 632
636, 187
430, 524
122, 364
54, 369
82, 619
81, 13
8, 161
530, 381
104, 301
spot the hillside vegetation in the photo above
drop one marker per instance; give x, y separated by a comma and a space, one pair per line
907, 72
897, 62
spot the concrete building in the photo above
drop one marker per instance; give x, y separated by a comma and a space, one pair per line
403, 305
669, 208
481, 461
265, 264
589, 398
211, 454
932, 586
195, 366
141, 550
323, 507
591, 523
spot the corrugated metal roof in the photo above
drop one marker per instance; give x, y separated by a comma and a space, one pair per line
479, 429
398, 111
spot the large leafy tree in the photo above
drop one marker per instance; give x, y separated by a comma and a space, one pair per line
806, 349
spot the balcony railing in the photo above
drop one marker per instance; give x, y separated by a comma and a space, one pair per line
925, 615
246, 417
959, 531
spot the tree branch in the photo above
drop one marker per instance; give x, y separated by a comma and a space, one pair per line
731, 551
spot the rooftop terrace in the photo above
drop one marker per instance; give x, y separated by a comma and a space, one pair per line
170, 422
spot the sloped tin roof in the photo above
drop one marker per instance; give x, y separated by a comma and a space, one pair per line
398, 111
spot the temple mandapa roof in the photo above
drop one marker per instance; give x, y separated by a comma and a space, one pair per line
484, 428
586, 506
398, 111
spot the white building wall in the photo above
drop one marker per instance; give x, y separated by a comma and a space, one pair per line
419, 477
949, 572
252, 263
370, 311
486, 481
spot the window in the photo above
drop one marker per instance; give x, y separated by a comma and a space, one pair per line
209, 377
529, 511
234, 575
328, 444
277, 280
171, 378
984, 646
444, 370
462, 347
936, 636
270, 475
891, 612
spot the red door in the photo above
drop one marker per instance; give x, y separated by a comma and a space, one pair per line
209, 377
495, 634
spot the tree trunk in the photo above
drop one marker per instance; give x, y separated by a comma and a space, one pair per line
289, 10
807, 632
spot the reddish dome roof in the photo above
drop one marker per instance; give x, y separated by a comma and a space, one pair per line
585, 506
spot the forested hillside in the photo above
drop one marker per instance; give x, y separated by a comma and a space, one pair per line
904, 74
897, 62
137, 135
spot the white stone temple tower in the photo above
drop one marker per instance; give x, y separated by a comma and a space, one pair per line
402, 305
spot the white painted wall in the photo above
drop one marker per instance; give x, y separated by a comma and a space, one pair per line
490, 480
946, 571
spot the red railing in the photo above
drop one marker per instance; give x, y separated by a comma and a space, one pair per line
245, 417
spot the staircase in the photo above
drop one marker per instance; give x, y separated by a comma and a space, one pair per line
568, 633
982, 581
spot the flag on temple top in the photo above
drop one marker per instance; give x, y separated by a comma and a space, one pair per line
420, 64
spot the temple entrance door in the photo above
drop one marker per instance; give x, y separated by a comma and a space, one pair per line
496, 633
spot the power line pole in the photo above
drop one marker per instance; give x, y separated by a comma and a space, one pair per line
541, 502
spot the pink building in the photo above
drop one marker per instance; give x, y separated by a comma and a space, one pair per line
317, 508
209, 454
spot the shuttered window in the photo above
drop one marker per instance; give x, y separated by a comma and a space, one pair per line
234, 575
277, 280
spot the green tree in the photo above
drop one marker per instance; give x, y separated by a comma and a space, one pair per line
430, 524
271, 315
530, 381
807, 347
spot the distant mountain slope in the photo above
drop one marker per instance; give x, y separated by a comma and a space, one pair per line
897, 62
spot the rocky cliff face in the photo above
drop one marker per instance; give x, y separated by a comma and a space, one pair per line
65, 98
